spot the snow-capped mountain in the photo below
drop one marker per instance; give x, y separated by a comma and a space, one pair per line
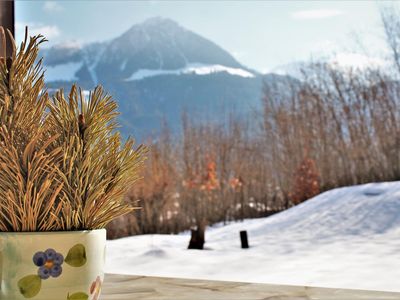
154, 70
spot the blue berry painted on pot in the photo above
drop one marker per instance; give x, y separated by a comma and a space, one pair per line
55, 271
58, 259
49, 263
50, 253
43, 272
39, 258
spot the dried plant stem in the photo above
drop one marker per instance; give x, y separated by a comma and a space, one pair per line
63, 165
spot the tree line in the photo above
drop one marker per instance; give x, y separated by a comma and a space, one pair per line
333, 126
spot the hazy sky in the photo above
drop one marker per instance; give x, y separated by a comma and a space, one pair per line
260, 34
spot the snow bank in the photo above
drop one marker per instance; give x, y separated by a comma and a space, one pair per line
192, 68
345, 238
63, 72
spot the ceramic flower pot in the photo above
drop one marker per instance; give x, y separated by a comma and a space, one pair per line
52, 265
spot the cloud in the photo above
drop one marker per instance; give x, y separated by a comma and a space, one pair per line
325, 47
330, 52
52, 6
153, 2
357, 60
316, 14
239, 54
71, 44
48, 31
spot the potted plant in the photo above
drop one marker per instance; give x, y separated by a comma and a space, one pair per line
63, 174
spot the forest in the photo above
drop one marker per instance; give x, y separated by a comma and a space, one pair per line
332, 126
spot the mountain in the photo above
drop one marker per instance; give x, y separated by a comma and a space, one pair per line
155, 70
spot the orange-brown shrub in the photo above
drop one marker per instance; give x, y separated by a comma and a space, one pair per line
306, 181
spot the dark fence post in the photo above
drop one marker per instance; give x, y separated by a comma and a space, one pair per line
243, 239
7, 21
197, 238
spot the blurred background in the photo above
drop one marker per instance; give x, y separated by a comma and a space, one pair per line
250, 108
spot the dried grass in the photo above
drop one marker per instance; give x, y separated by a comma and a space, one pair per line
63, 164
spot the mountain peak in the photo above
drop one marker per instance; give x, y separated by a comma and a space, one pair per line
153, 27
158, 21
161, 43
156, 44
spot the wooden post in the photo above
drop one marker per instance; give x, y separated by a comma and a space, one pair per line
243, 239
7, 20
197, 239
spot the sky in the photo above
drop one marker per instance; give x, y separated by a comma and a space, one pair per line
263, 35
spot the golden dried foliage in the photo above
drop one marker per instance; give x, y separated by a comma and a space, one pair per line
210, 181
306, 181
63, 165
96, 167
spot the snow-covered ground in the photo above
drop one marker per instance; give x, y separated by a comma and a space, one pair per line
347, 238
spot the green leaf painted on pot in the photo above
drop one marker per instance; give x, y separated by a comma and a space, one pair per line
78, 296
29, 286
76, 256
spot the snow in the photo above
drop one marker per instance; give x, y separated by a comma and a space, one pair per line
123, 64
92, 62
63, 72
345, 238
192, 68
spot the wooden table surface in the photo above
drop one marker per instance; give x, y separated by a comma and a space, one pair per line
127, 287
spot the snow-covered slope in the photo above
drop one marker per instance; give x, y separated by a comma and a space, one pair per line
63, 72
346, 238
194, 68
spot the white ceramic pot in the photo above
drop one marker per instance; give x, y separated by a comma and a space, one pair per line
52, 265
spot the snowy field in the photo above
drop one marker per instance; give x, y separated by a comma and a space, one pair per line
347, 238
